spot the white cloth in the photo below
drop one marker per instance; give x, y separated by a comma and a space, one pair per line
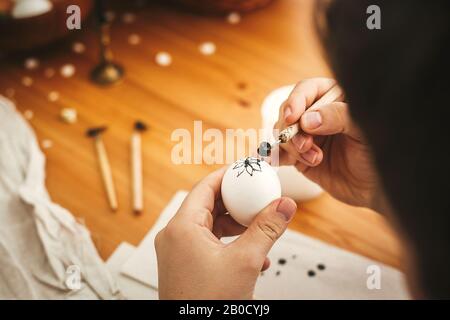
40, 240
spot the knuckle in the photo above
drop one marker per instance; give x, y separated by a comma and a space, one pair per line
298, 85
205, 212
339, 113
270, 229
294, 99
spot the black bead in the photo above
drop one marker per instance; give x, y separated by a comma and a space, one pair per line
264, 149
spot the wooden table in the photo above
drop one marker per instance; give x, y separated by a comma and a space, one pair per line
268, 49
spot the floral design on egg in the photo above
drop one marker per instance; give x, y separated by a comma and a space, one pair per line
249, 165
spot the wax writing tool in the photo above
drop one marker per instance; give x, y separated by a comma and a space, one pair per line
332, 95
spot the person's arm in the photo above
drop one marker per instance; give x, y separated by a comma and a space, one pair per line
194, 264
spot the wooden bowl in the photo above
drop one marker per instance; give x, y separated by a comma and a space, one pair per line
27, 33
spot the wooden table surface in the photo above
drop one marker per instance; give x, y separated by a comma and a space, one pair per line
267, 49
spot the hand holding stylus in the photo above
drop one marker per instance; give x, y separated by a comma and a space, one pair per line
329, 148
334, 94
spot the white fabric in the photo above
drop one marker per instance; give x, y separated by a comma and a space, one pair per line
39, 239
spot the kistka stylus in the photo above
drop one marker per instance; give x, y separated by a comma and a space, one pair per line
332, 95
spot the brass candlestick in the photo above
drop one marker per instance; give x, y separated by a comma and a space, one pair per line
106, 72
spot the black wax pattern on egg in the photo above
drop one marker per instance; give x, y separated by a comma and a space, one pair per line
282, 261
311, 273
249, 165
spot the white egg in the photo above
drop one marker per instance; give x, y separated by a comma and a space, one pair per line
248, 186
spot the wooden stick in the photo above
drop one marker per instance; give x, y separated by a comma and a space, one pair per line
335, 94
136, 172
106, 173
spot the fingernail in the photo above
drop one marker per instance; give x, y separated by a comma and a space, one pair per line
310, 156
287, 208
312, 120
287, 112
299, 141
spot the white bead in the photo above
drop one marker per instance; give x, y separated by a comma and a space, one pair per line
31, 63
67, 70
78, 47
49, 72
27, 81
128, 17
53, 96
163, 59
207, 48
47, 143
134, 39
28, 114
69, 115
234, 18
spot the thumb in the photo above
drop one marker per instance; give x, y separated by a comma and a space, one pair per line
267, 227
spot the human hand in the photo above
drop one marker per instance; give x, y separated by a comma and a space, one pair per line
330, 150
194, 264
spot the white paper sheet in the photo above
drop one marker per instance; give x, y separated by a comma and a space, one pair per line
131, 289
142, 265
345, 275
